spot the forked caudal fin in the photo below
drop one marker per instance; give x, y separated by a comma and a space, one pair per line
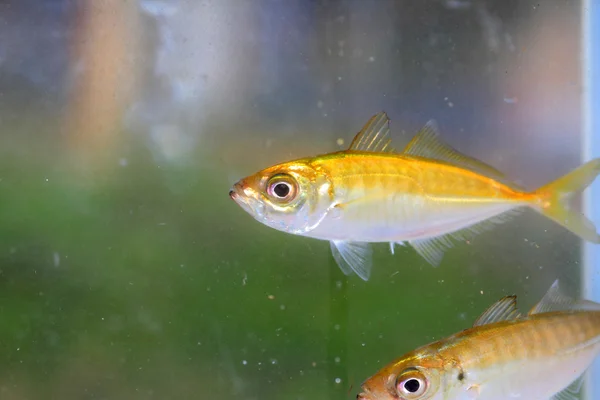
555, 198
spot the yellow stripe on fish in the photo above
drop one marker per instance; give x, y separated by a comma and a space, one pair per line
428, 195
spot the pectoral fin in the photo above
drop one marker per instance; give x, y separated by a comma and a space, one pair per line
354, 257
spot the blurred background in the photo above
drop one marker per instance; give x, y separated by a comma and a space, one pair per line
126, 272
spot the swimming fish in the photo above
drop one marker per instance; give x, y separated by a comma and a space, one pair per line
539, 356
428, 195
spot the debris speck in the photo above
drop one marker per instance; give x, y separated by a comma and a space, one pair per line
56, 258
340, 142
271, 297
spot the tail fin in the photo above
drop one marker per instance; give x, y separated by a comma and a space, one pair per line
554, 200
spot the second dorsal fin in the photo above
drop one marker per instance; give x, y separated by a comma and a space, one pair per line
556, 300
504, 309
374, 136
427, 143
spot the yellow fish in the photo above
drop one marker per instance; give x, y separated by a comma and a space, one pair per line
427, 195
504, 355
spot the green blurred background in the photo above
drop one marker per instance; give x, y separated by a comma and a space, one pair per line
126, 272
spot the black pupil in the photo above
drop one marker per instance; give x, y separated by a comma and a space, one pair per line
281, 190
412, 385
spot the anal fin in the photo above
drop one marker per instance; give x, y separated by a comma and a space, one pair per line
432, 249
352, 257
571, 392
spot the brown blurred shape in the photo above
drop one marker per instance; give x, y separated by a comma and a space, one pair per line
103, 61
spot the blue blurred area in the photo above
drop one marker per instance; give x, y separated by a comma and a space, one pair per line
34, 39
591, 149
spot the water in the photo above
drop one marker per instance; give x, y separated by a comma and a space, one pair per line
127, 272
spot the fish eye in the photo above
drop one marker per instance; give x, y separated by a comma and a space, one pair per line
411, 384
282, 187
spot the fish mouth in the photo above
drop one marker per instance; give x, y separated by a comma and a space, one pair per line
234, 192
239, 194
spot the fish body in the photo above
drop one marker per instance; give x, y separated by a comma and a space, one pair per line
428, 196
539, 356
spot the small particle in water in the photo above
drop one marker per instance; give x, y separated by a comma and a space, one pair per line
481, 291
314, 364
273, 361
338, 284
336, 327
337, 359
363, 344
56, 258
450, 104
338, 380
245, 279
46, 179
320, 104
340, 142
123, 162
282, 307
371, 59
244, 362
511, 100
339, 78
271, 297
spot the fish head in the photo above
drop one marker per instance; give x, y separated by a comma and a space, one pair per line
409, 378
292, 197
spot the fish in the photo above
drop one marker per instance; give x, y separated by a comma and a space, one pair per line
428, 196
505, 355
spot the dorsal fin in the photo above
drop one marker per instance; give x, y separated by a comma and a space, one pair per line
504, 309
556, 300
374, 136
427, 144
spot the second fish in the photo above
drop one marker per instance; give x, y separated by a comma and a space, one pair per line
426, 195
